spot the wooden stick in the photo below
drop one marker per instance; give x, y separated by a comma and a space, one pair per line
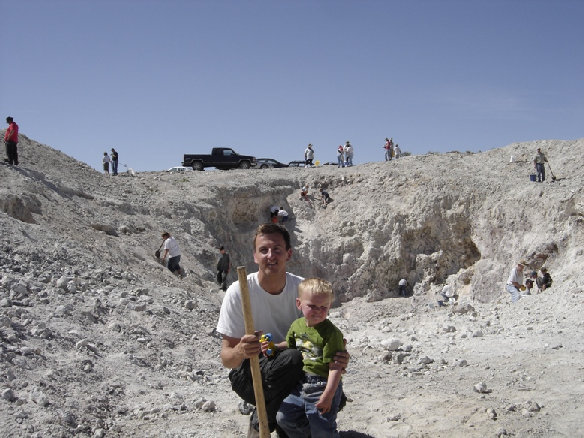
254, 362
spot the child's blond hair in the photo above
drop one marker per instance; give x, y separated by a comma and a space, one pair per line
316, 286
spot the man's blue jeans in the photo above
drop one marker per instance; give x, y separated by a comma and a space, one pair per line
298, 416
540, 168
515, 294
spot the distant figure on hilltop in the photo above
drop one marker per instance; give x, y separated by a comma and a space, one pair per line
396, 151
388, 148
106, 161
114, 162
308, 155
539, 162
11, 141
348, 154
341, 156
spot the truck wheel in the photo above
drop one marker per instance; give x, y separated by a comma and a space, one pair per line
264, 166
197, 165
244, 165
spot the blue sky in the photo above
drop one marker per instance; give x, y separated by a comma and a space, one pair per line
156, 79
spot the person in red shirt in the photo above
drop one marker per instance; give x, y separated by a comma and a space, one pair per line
11, 140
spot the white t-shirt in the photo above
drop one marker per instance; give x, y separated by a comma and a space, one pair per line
515, 276
282, 213
309, 153
271, 313
171, 245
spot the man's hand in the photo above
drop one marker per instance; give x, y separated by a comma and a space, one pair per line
249, 345
340, 360
235, 350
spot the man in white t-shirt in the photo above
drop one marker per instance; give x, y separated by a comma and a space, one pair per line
171, 249
515, 281
273, 293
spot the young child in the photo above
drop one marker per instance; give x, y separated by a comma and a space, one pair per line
311, 408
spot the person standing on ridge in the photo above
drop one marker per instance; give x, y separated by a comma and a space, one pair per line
388, 148
539, 162
308, 155
11, 141
348, 155
114, 162
341, 156
106, 161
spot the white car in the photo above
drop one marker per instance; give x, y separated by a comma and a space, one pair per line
180, 169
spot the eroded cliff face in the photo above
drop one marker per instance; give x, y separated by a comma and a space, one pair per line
438, 219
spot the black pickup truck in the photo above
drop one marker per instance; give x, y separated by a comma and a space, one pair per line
221, 158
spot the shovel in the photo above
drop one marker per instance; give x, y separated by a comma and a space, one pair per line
552, 173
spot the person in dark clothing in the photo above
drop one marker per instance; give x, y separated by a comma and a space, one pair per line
114, 157
223, 267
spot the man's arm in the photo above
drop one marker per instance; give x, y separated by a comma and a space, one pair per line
234, 350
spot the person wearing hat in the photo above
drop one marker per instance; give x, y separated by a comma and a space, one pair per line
515, 281
308, 155
348, 154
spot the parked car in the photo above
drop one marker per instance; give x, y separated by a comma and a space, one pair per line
264, 163
220, 158
296, 164
180, 169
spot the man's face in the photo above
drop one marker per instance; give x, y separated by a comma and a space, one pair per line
271, 254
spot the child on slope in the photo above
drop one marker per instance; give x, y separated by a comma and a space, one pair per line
311, 408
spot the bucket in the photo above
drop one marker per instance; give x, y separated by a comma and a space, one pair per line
532, 177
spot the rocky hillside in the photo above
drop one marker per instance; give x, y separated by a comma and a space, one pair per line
98, 339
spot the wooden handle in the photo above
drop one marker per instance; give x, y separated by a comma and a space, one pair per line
254, 362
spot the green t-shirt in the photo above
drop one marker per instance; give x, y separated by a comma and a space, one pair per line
318, 344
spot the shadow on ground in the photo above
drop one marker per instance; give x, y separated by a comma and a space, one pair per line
354, 434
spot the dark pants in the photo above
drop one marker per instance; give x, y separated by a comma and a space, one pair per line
222, 279
540, 168
173, 265
402, 290
114, 167
11, 152
280, 374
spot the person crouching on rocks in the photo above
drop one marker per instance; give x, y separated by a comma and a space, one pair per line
171, 249
515, 281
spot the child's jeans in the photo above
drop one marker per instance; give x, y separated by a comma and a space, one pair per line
298, 416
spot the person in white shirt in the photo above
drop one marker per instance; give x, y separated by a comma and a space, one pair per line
172, 251
515, 281
272, 293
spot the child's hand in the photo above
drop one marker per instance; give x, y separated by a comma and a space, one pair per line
324, 404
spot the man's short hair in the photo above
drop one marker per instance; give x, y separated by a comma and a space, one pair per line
9, 119
166, 234
221, 248
316, 286
272, 228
